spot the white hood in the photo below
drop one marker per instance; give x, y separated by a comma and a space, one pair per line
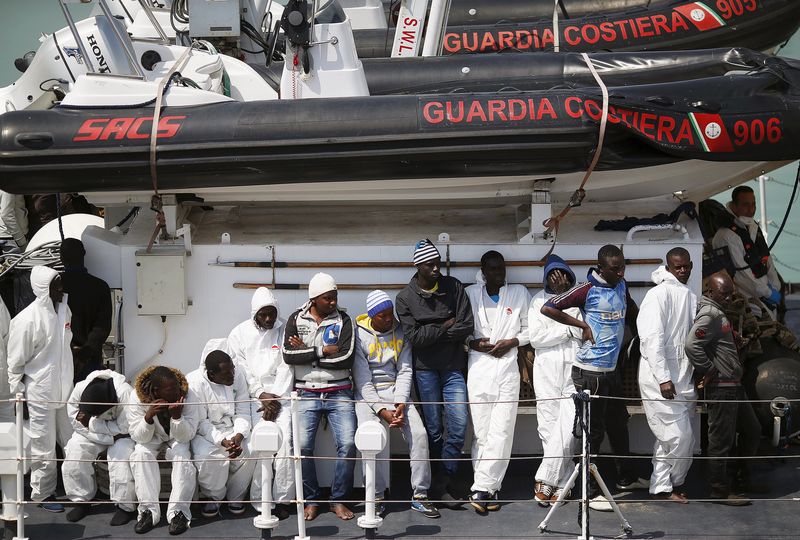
661, 275
262, 298
41, 277
215, 344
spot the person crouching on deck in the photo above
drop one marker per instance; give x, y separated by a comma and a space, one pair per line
163, 415
320, 347
383, 376
99, 415
500, 312
223, 426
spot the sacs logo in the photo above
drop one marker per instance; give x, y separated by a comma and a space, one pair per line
126, 128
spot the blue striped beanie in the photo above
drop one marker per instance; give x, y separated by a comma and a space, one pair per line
377, 301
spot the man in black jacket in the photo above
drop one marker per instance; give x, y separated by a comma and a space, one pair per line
437, 319
89, 299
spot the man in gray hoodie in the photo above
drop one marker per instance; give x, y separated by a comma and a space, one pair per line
382, 374
711, 347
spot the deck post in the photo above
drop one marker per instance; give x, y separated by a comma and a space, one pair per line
298, 469
20, 420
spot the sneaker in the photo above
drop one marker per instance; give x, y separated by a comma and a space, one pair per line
636, 483
282, 511
492, 505
122, 517
179, 524
478, 501
601, 504
542, 493
421, 504
51, 505
380, 507
145, 523
78, 513
210, 509
236, 508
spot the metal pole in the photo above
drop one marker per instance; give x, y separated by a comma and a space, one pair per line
762, 196
20, 467
585, 468
148, 10
369, 487
435, 29
298, 469
76, 36
123, 40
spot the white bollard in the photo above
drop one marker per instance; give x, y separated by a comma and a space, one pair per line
298, 469
265, 441
371, 438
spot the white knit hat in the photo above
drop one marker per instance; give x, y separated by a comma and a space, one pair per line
425, 251
378, 301
320, 284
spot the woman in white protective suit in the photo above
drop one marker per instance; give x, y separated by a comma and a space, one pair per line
255, 346
666, 375
163, 415
100, 428
220, 448
555, 345
40, 365
500, 312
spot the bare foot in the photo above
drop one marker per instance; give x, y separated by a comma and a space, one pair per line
310, 512
342, 511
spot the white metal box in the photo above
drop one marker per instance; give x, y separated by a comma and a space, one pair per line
214, 18
161, 281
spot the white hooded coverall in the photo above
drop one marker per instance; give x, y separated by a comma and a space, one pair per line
40, 364
225, 413
258, 353
149, 439
556, 345
491, 379
665, 317
6, 407
88, 443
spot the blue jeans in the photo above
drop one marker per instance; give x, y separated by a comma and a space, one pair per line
447, 386
342, 418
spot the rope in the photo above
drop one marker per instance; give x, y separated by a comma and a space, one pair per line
552, 224
58, 213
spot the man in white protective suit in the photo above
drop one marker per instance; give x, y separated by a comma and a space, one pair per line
40, 365
500, 312
222, 430
98, 411
555, 345
666, 375
164, 415
255, 346
6, 407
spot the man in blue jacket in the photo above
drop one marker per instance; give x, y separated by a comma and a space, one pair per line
606, 305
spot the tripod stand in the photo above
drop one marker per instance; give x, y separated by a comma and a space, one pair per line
585, 467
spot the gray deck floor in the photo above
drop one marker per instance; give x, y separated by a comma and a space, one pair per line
763, 520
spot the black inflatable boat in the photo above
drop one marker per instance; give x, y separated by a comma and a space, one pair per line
745, 116
666, 25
